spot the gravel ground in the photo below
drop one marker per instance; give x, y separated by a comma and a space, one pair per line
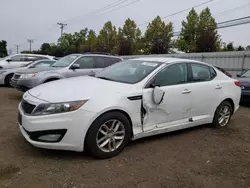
198, 157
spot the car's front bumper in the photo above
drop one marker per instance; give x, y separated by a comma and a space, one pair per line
2, 79
23, 84
75, 124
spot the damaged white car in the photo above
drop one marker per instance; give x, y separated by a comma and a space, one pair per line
127, 101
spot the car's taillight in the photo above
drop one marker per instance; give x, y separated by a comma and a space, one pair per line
237, 83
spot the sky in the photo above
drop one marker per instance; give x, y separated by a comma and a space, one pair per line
37, 19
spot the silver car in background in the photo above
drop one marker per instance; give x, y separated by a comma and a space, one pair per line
69, 66
7, 74
19, 60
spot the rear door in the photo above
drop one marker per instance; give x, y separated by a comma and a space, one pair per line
103, 62
86, 64
207, 92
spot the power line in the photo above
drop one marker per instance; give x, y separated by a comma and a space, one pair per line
221, 25
181, 11
232, 9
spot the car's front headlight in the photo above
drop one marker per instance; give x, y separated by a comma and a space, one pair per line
31, 75
1, 72
55, 108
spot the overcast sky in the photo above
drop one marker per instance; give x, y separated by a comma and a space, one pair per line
36, 19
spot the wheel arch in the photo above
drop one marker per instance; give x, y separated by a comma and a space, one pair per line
6, 76
51, 79
231, 102
108, 111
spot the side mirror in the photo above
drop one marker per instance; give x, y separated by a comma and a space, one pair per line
158, 95
8, 60
75, 66
238, 75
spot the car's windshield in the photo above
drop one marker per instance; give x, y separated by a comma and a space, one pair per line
65, 61
129, 71
246, 74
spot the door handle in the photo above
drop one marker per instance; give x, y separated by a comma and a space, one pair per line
218, 87
186, 91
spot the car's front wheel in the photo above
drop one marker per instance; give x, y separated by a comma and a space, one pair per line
8, 80
223, 114
108, 135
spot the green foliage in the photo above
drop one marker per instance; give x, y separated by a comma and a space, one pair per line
187, 39
3, 48
158, 36
199, 33
106, 40
129, 38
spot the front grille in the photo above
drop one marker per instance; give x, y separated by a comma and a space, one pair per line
27, 107
16, 76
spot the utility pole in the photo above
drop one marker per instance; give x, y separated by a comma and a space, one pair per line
62, 25
30, 41
17, 46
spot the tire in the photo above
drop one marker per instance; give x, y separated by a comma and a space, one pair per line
217, 116
8, 79
94, 135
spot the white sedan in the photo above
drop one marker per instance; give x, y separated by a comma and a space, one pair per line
127, 101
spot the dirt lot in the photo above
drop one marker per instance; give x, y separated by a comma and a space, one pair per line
198, 157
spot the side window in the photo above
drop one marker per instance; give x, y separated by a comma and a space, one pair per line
213, 73
86, 62
99, 63
172, 75
17, 58
110, 61
200, 73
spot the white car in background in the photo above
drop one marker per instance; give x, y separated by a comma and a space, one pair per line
19, 60
127, 101
7, 74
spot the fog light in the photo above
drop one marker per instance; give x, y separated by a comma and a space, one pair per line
50, 137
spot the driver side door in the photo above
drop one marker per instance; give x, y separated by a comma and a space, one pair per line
175, 107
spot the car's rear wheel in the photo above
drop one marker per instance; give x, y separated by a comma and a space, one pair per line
108, 135
8, 79
223, 114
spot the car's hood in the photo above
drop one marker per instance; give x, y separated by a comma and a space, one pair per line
15, 69
32, 70
77, 88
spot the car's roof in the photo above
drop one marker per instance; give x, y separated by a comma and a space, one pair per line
165, 59
41, 55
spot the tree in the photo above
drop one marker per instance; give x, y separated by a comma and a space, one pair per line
158, 36
240, 48
106, 40
208, 40
45, 49
187, 40
3, 48
91, 41
248, 47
